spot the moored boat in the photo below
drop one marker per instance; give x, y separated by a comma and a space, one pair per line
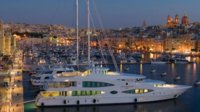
103, 87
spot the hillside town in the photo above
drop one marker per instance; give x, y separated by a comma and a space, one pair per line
177, 36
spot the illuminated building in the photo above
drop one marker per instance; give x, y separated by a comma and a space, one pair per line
8, 46
7, 41
13, 43
2, 38
170, 21
185, 20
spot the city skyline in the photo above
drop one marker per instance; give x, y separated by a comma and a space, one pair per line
113, 13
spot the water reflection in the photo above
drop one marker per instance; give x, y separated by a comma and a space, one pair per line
173, 69
141, 70
194, 67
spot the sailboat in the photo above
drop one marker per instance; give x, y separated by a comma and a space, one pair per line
102, 87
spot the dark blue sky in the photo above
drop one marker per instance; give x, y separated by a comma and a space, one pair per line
113, 13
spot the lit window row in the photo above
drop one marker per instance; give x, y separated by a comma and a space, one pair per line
138, 91
71, 93
96, 84
62, 84
164, 85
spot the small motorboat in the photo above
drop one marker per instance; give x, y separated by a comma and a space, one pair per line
127, 69
153, 70
197, 83
177, 78
163, 74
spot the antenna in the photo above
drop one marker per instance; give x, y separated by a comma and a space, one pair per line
77, 33
88, 30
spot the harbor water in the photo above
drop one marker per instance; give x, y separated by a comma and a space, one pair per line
188, 102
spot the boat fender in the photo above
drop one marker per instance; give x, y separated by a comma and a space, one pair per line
42, 104
175, 96
126, 83
78, 102
64, 101
94, 100
135, 100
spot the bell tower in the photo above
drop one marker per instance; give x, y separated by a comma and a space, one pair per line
176, 21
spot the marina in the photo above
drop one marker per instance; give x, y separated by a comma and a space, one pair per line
85, 66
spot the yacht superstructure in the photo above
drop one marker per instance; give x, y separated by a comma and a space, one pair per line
47, 76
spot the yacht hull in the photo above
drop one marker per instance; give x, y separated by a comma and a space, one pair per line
106, 100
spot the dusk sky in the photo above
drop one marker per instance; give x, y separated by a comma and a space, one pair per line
113, 13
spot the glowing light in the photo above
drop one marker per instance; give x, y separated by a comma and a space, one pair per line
186, 52
67, 80
102, 92
120, 46
151, 55
188, 58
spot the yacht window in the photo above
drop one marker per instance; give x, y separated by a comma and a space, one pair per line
74, 93
113, 92
69, 71
69, 93
90, 93
78, 93
138, 91
73, 83
141, 91
81, 93
65, 93
62, 84
59, 71
36, 78
139, 80
95, 84
164, 85
98, 92
48, 72
50, 93
46, 78
145, 90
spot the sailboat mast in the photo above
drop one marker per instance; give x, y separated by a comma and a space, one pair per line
88, 29
77, 32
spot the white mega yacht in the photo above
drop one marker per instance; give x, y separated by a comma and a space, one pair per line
103, 87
